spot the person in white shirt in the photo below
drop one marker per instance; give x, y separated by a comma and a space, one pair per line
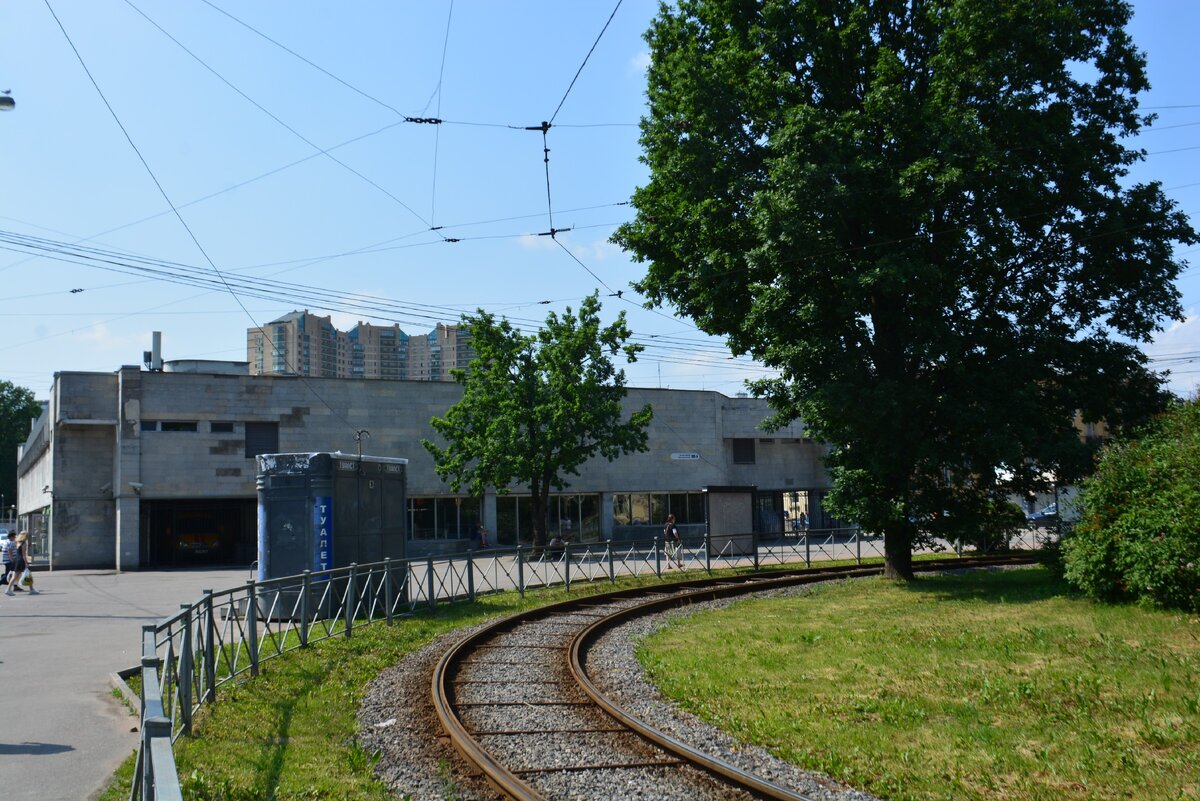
8, 552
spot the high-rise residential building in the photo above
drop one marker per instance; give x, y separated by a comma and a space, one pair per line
306, 344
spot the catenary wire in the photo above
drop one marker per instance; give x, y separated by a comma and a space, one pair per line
277, 119
167, 198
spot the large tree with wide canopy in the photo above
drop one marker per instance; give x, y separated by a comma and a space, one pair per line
919, 212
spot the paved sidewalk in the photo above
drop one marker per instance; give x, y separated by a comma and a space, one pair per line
62, 733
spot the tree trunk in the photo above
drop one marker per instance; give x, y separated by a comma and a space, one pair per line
897, 553
538, 496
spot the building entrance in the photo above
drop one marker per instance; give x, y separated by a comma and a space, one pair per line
192, 533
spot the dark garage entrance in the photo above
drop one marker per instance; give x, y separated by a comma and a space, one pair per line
199, 533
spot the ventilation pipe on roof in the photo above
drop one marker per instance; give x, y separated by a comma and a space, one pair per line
153, 358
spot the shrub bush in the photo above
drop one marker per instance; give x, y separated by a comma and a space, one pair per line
1138, 537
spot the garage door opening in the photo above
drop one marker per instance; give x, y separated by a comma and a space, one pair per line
199, 533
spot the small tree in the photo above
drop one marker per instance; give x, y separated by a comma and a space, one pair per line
17, 408
535, 407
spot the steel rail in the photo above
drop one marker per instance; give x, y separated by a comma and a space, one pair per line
582, 640
662, 596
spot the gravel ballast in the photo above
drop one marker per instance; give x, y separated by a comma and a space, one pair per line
397, 721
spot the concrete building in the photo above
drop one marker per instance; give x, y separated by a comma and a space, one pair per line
156, 468
306, 344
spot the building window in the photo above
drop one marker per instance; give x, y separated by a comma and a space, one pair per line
652, 508
261, 438
220, 428
149, 425
743, 451
177, 425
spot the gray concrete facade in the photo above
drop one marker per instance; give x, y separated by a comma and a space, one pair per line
110, 443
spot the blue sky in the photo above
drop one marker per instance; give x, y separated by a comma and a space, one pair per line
308, 180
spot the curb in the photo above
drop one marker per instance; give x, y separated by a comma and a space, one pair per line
117, 680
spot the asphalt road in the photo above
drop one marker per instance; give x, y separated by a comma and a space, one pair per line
62, 733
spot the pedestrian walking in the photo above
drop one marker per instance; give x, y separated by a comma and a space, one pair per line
8, 552
673, 542
22, 575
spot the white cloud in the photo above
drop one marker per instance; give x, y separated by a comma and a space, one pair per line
102, 339
535, 242
1178, 349
600, 250
640, 61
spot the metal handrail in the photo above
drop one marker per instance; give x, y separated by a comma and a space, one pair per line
228, 633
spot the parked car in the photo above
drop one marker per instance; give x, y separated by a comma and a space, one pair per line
199, 544
1046, 518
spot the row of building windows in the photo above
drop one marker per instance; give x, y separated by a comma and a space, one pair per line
575, 517
260, 437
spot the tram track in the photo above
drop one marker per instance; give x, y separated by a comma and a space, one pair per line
517, 702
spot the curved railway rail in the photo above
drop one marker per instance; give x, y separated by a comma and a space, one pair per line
567, 739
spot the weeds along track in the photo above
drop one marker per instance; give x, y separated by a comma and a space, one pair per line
517, 703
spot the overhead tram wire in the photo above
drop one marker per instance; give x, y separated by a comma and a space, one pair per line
298, 294
579, 71
436, 120
230, 188
312, 64
179, 216
437, 131
283, 124
545, 129
405, 118
317, 297
198, 277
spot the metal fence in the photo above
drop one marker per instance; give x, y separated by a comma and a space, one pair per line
229, 633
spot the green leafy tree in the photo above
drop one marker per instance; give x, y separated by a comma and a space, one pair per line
915, 210
1138, 535
535, 407
17, 408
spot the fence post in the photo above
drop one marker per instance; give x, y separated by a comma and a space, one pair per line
754, 547
707, 551
807, 549
471, 575
305, 596
858, 544
566, 559
351, 598
186, 670
153, 729
520, 571
406, 588
210, 649
612, 573
657, 558
429, 582
387, 588
252, 625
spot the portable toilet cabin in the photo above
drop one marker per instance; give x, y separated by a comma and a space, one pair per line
320, 511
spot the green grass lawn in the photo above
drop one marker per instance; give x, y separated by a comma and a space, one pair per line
990, 686
288, 734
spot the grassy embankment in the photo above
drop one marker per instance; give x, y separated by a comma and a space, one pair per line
996, 686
